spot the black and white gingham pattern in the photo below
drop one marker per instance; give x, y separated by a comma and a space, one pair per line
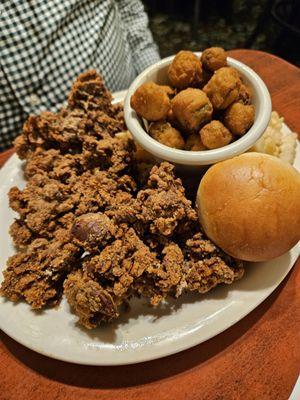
44, 45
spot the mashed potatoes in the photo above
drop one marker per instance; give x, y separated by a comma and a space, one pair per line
277, 143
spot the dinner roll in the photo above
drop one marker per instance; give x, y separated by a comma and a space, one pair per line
250, 206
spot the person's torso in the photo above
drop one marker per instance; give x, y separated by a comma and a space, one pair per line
44, 45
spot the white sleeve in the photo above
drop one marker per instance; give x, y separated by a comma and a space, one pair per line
136, 23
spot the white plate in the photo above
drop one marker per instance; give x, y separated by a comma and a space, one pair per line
144, 333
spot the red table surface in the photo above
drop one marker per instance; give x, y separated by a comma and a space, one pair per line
257, 358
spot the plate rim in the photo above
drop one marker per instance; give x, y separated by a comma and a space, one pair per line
146, 358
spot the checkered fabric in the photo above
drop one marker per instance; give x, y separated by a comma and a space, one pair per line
45, 44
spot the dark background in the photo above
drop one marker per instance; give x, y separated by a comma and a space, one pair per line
269, 25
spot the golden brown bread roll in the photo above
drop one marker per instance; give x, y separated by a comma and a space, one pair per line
250, 206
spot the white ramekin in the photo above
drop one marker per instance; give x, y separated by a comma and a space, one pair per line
158, 73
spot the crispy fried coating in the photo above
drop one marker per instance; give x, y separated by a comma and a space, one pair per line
208, 266
44, 204
194, 265
36, 275
171, 92
119, 266
143, 156
40, 202
171, 118
123, 209
96, 190
49, 130
127, 266
162, 278
198, 95
215, 135
245, 94
151, 101
206, 76
223, 88
180, 270
65, 131
185, 70
192, 108
116, 112
60, 167
204, 275
214, 58
163, 203
20, 233
89, 112
94, 223
193, 143
112, 155
107, 154
89, 93
92, 230
140, 154
239, 118
164, 133
90, 302
121, 263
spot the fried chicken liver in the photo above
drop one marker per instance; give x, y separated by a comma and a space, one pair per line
89, 226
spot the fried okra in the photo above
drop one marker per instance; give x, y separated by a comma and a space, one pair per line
239, 118
164, 133
245, 94
215, 135
214, 58
223, 88
170, 91
185, 70
194, 143
192, 108
151, 101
